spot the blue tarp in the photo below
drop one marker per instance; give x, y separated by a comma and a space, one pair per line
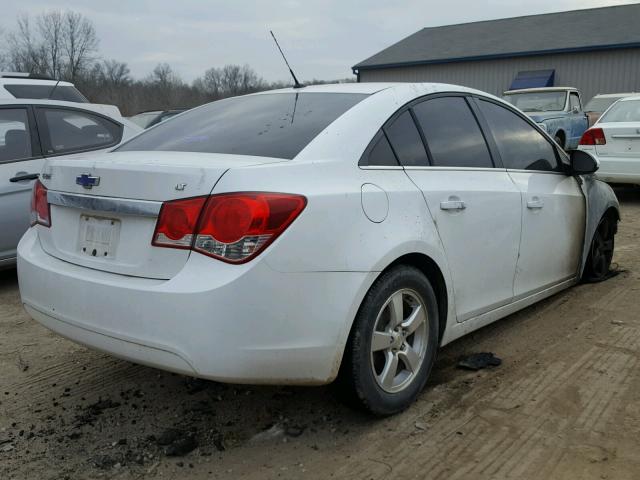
533, 78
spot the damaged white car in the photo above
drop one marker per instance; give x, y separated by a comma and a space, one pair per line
300, 235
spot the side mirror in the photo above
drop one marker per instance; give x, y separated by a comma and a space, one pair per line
583, 163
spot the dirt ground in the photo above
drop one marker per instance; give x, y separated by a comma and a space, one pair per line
565, 404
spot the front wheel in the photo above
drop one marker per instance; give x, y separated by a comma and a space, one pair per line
598, 264
393, 343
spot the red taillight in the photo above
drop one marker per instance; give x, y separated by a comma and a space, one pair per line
177, 222
233, 227
593, 136
40, 213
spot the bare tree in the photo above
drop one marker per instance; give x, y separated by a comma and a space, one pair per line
80, 43
62, 45
51, 31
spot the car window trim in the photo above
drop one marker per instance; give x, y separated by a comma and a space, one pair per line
409, 105
545, 135
34, 136
46, 136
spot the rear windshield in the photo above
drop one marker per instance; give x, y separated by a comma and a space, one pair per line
275, 125
51, 92
600, 104
627, 111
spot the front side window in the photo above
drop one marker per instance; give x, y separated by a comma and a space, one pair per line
520, 145
452, 133
76, 131
277, 125
627, 111
406, 141
15, 140
574, 101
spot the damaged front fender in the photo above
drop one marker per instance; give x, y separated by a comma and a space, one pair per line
600, 198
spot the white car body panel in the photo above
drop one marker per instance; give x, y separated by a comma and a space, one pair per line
285, 316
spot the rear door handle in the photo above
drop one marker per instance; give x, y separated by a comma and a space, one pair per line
22, 176
535, 202
453, 205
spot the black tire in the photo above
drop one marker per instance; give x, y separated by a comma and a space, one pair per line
357, 380
559, 141
598, 264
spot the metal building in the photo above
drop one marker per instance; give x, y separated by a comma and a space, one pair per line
596, 50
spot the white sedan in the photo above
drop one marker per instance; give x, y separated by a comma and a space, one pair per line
300, 235
614, 140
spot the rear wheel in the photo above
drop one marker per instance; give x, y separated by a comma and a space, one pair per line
393, 343
598, 264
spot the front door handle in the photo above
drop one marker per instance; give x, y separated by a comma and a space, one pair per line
22, 176
453, 204
535, 203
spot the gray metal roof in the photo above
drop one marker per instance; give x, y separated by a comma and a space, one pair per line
578, 30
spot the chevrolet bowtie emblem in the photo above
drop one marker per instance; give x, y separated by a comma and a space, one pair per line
87, 181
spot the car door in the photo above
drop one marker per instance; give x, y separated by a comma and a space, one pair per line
66, 131
579, 120
475, 206
553, 205
20, 163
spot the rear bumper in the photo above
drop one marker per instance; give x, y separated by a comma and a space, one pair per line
231, 323
619, 169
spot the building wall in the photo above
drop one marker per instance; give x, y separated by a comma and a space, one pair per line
592, 72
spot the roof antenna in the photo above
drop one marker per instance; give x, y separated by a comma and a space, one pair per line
53, 90
296, 83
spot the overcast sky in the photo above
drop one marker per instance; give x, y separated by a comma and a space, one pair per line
322, 39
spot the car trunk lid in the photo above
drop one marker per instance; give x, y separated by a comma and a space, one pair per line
623, 139
104, 208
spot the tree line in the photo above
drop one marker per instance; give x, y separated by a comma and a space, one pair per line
64, 45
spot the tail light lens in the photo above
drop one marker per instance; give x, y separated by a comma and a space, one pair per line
177, 223
233, 227
40, 210
593, 136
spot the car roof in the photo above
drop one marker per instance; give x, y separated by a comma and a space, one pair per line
8, 80
631, 98
370, 88
617, 95
542, 89
107, 110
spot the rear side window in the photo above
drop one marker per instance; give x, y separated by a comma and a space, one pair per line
15, 141
627, 111
61, 92
452, 133
520, 145
275, 125
69, 131
380, 154
406, 141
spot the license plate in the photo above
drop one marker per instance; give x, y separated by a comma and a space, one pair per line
98, 236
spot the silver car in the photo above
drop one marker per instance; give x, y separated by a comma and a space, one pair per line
32, 130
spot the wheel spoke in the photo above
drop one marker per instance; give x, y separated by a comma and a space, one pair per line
390, 370
414, 321
410, 358
396, 308
381, 341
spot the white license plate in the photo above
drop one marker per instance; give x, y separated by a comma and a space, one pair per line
98, 236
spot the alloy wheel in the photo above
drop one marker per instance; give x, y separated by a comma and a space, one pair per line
399, 341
